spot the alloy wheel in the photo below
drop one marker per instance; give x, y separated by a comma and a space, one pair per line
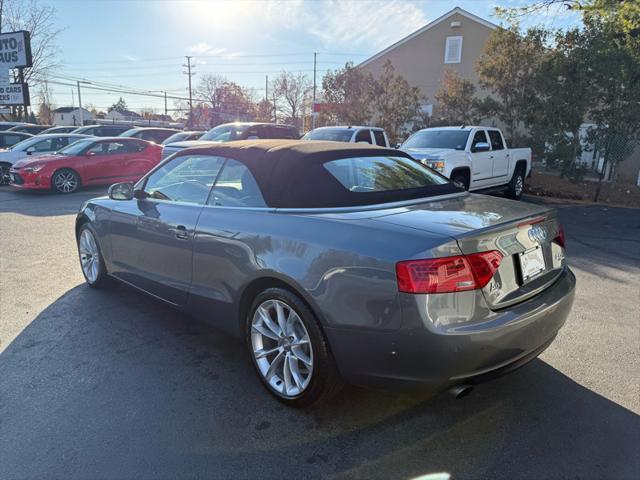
519, 186
66, 182
282, 348
89, 255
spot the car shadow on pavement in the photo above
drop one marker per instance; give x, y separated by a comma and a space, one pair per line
45, 203
111, 384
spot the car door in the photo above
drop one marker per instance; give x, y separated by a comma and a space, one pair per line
481, 162
136, 161
104, 162
152, 236
229, 226
500, 156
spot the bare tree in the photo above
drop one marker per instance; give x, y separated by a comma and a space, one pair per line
45, 107
39, 20
292, 90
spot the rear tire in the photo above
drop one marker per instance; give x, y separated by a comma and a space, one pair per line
4, 173
516, 185
460, 179
65, 180
295, 364
91, 259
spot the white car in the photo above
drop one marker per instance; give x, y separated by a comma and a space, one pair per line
357, 134
475, 158
34, 146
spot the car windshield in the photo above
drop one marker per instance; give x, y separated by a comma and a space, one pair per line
452, 139
224, 133
130, 133
177, 137
76, 147
331, 134
24, 144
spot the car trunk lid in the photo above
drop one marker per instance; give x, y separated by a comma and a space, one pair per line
523, 233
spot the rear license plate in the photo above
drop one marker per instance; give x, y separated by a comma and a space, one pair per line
532, 263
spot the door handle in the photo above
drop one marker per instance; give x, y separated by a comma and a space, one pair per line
181, 232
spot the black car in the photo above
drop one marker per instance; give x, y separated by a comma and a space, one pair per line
229, 132
61, 129
10, 138
29, 128
102, 130
152, 134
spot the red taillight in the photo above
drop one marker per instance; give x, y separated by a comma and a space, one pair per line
447, 274
560, 240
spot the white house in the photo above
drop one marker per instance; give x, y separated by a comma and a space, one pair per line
125, 115
71, 116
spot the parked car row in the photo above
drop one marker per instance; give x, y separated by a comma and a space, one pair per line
475, 158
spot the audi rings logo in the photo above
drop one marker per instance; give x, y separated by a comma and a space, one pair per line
537, 234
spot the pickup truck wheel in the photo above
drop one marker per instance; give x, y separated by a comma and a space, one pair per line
516, 185
460, 179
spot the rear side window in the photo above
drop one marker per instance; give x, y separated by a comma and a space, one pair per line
496, 140
12, 139
381, 174
363, 136
236, 187
379, 136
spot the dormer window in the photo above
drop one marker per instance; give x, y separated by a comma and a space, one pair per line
453, 50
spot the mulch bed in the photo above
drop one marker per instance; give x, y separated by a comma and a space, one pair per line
612, 193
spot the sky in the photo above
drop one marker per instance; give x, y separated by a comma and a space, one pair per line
142, 44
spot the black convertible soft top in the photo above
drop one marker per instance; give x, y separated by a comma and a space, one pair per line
290, 173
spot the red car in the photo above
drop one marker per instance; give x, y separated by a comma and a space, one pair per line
99, 161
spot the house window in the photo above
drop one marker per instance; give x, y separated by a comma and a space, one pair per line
427, 109
453, 50
61, 116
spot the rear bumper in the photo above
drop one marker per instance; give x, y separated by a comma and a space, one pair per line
427, 354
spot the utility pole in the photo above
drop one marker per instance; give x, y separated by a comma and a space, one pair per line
189, 74
313, 105
80, 105
266, 87
165, 102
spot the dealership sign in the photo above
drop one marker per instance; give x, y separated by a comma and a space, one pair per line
14, 94
15, 50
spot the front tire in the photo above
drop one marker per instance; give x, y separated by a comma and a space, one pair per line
289, 350
4, 173
65, 181
91, 259
460, 180
516, 185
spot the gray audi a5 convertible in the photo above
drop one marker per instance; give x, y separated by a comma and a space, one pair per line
337, 262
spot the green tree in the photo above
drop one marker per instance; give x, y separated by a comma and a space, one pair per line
119, 106
510, 61
457, 103
614, 75
396, 103
348, 91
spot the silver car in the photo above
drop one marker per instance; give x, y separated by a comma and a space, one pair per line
337, 262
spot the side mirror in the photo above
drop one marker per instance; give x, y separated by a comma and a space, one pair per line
90, 154
396, 145
121, 191
481, 147
30, 150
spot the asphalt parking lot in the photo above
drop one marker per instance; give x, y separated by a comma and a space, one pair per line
111, 384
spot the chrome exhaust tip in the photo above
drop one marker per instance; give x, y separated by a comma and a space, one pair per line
460, 391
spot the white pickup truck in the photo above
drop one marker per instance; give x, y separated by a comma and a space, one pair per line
475, 158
